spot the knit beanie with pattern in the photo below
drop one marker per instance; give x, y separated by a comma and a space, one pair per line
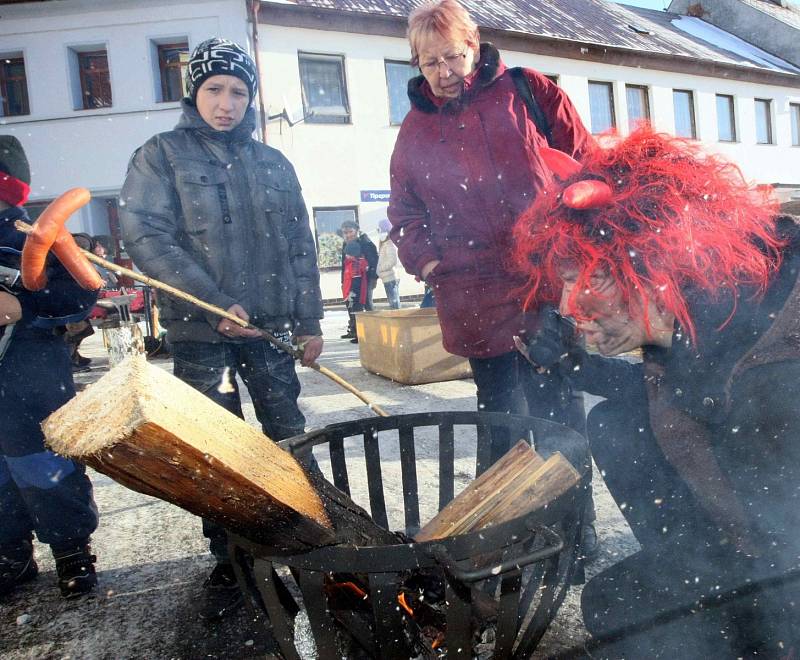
215, 57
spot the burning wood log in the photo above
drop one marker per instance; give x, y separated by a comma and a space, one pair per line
153, 433
520, 482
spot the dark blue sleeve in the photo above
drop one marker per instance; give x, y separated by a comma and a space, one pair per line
611, 378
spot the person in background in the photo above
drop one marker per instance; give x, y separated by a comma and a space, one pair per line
40, 492
109, 278
387, 264
428, 297
75, 333
214, 212
466, 163
654, 244
359, 274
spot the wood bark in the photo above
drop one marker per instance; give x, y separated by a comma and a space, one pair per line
153, 433
518, 483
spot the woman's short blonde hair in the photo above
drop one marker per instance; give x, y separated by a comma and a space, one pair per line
447, 18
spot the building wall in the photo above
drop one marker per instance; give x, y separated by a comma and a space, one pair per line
91, 148
337, 161
748, 23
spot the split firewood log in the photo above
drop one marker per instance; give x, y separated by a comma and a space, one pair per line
155, 434
518, 483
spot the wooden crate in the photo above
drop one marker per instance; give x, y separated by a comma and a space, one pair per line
405, 345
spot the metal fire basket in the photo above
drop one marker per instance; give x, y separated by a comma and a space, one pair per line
523, 567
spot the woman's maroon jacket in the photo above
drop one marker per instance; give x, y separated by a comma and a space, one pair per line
461, 172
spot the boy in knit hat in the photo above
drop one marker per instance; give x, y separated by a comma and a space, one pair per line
208, 209
39, 491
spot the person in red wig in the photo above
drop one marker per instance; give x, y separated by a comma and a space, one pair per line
652, 244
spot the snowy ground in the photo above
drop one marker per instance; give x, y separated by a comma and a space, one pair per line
152, 557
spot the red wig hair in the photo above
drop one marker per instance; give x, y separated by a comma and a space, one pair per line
678, 217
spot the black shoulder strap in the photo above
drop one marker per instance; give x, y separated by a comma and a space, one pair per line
524, 90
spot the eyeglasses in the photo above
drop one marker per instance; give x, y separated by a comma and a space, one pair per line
449, 61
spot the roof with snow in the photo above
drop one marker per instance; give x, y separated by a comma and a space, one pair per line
595, 22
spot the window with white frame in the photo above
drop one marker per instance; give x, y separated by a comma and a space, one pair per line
397, 76
726, 118
324, 88
763, 121
173, 59
794, 118
683, 105
638, 104
601, 106
91, 78
13, 86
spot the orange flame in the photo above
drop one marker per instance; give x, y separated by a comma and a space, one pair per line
438, 641
352, 586
401, 598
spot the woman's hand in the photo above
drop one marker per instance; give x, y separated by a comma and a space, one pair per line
10, 309
427, 268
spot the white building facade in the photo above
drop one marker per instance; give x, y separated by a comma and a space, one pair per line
70, 145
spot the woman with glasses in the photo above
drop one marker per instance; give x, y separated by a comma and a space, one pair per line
465, 165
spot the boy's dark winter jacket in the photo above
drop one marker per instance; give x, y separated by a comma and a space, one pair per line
221, 216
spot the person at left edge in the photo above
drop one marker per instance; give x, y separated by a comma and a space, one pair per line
40, 492
210, 210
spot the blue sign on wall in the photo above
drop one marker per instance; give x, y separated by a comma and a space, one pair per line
375, 195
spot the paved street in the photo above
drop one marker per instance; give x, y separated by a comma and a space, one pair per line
152, 557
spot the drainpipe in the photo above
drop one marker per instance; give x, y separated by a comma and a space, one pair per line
253, 7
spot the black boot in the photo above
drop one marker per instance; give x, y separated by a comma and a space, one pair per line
17, 566
223, 595
79, 360
590, 544
75, 568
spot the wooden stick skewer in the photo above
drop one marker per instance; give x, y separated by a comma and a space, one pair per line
202, 304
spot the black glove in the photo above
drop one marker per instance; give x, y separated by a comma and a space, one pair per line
553, 342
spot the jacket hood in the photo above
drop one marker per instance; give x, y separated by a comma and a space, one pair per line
192, 121
489, 68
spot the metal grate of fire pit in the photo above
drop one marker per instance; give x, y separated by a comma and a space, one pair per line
494, 591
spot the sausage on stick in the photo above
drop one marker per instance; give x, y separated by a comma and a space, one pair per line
49, 233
